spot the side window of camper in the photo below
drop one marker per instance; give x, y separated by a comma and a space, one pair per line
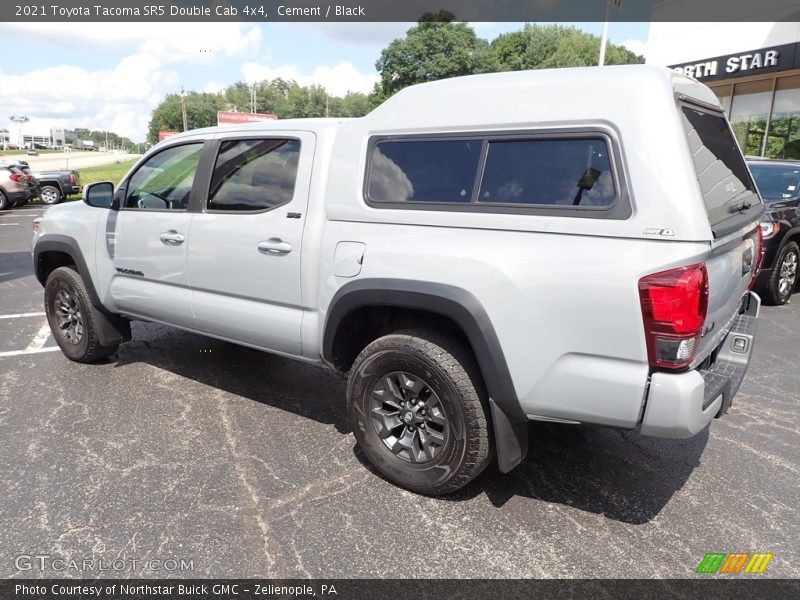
495, 173
435, 171
553, 172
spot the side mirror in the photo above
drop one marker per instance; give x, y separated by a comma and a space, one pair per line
98, 194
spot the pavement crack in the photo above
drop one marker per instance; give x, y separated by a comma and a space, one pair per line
252, 493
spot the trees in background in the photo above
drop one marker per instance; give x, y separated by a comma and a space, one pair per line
101, 138
437, 47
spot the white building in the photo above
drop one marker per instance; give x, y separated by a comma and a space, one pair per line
753, 67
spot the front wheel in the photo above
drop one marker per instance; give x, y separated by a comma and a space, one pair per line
50, 194
783, 279
419, 411
71, 318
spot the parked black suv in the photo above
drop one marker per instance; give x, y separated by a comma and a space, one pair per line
779, 184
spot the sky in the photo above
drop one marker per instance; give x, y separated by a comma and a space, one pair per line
110, 76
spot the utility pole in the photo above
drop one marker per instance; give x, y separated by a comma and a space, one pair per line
183, 109
604, 37
253, 99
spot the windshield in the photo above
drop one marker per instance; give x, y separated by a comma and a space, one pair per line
776, 182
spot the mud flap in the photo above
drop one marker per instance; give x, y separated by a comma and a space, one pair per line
510, 438
111, 329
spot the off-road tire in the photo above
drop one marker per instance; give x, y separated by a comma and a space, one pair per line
773, 293
450, 371
88, 349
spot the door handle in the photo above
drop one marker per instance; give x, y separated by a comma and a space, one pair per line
274, 246
172, 238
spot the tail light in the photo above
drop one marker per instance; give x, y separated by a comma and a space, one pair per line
674, 306
14, 177
759, 257
72, 177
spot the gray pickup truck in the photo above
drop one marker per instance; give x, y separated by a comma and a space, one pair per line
475, 253
56, 185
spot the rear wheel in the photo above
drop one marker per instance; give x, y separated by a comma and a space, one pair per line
419, 411
783, 278
69, 313
50, 195
4, 203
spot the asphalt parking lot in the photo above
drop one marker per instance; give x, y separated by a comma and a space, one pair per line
186, 448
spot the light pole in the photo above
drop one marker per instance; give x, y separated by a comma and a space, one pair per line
604, 37
183, 109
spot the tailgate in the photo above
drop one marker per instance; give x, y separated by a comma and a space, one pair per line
730, 267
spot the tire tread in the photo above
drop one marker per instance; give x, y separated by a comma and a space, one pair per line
94, 350
772, 295
457, 360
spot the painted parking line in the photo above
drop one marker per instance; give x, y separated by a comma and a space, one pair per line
22, 315
40, 339
8, 224
37, 344
26, 351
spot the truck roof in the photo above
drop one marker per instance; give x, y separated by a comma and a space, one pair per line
311, 124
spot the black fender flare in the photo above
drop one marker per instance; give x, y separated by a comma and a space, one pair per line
792, 232
112, 329
509, 421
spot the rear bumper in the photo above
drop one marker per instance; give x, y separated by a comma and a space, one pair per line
680, 405
17, 196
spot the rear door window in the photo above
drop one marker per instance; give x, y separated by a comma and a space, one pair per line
254, 175
722, 174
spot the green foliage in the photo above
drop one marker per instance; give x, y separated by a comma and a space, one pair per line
201, 111
550, 46
436, 48
286, 99
100, 137
113, 172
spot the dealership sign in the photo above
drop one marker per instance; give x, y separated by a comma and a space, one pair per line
763, 60
225, 117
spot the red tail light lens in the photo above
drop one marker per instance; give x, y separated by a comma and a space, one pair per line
674, 306
72, 177
14, 177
